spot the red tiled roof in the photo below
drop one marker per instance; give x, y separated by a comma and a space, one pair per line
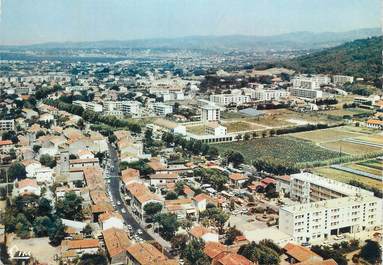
300, 253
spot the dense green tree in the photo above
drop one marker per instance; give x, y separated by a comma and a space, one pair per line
70, 207
16, 171
193, 253
57, 234
260, 253
42, 226
152, 208
179, 241
93, 259
231, 234
371, 251
47, 160
171, 195
236, 158
168, 224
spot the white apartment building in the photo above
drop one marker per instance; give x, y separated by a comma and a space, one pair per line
88, 105
342, 79
266, 95
306, 82
327, 207
305, 93
226, 99
210, 112
7, 125
119, 108
318, 220
162, 109
306, 187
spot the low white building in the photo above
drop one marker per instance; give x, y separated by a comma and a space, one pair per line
43, 175
215, 129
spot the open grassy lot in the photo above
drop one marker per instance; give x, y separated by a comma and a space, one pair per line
350, 112
284, 148
240, 126
198, 129
350, 148
346, 177
326, 135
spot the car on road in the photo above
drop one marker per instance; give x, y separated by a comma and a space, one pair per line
123, 210
139, 231
118, 202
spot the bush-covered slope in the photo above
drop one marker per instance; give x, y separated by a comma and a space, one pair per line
359, 58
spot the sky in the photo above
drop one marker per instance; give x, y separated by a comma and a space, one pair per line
37, 21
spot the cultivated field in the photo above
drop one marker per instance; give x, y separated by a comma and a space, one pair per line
349, 112
376, 139
350, 148
346, 177
327, 135
284, 149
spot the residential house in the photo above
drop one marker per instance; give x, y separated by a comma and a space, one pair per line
139, 195
183, 208
116, 244
78, 248
111, 220
161, 179
26, 187
229, 258
146, 254
237, 179
203, 233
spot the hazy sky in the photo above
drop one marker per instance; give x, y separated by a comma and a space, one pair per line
34, 21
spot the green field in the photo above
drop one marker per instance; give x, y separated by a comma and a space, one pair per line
283, 148
346, 177
350, 148
326, 135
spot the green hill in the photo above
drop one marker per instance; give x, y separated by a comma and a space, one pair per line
359, 58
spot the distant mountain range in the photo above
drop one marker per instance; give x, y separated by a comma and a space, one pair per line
295, 41
359, 58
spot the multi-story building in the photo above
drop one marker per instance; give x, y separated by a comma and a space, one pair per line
305, 93
88, 105
162, 109
210, 112
306, 187
342, 79
319, 220
76, 88
226, 99
265, 95
7, 125
119, 108
328, 207
306, 82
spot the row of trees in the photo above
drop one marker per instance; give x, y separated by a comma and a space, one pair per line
273, 166
191, 146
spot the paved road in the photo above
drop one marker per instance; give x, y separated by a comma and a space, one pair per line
114, 187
